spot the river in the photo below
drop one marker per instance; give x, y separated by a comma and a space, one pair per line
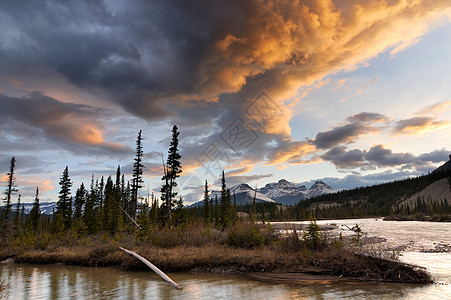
27, 281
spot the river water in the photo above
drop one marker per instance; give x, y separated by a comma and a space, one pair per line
26, 281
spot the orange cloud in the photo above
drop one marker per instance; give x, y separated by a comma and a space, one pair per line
33, 182
282, 46
418, 125
435, 109
295, 151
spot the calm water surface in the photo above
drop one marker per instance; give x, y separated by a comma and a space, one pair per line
27, 281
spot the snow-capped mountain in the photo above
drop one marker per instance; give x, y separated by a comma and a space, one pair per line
45, 207
243, 194
283, 191
288, 193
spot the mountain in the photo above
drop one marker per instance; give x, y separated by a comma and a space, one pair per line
46, 207
283, 191
445, 167
288, 193
318, 189
244, 194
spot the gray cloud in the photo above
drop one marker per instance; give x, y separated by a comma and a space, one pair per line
341, 134
357, 180
367, 117
343, 158
417, 124
39, 117
379, 157
382, 157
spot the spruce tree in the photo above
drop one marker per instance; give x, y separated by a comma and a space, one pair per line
225, 204
64, 204
172, 170
89, 214
207, 209
107, 209
16, 217
137, 176
117, 201
79, 201
216, 212
35, 213
10, 191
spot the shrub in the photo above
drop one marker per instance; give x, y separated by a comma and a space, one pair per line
246, 235
312, 236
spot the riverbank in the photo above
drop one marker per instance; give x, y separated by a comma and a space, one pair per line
331, 263
419, 217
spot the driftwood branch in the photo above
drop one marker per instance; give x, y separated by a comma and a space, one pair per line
154, 268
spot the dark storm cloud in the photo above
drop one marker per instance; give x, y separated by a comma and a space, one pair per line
39, 117
143, 53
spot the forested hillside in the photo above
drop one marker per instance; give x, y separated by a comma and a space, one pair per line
377, 200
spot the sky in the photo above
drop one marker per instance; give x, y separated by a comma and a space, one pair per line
353, 93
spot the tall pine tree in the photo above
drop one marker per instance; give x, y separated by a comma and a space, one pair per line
137, 176
207, 209
225, 203
35, 213
172, 170
64, 204
10, 191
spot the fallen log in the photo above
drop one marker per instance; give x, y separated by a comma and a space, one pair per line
154, 268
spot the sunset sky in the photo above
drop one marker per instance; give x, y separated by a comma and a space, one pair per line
350, 92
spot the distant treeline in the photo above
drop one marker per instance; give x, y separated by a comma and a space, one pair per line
377, 200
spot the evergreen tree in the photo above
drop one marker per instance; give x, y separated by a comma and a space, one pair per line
107, 215
10, 191
125, 190
64, 204
207, 209
117, 202
137, 176
79, 201
172, 170
16, 217
35, 213
89, 215
181, 215
216, 212
225, 204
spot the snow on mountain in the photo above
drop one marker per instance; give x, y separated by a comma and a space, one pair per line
243, 193
288, 193
283, 191
319, 188
45, 207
